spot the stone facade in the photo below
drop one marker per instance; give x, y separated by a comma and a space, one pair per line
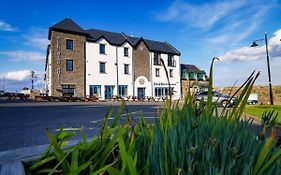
60, 76
141, 61
262, 92
193, 86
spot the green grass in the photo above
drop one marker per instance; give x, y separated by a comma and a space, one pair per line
259, 109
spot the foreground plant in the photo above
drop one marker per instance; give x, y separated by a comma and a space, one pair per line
182, 140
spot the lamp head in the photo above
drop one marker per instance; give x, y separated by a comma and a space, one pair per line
254, 44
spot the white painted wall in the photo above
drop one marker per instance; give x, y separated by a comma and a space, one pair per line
111, 56
163, 79
49, 74
146, 85
125, 79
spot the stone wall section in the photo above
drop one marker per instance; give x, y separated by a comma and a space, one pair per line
59, 56
141, 61
261, 91
185, 84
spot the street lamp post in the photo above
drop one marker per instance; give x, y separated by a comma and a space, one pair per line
32, 81
268, 65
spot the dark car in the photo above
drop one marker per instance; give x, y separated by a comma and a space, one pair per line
218, 98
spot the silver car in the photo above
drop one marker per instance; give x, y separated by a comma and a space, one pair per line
218, 98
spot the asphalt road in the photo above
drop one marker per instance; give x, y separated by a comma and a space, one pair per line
24, 124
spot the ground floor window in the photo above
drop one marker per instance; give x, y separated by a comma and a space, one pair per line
68, 90
122, 90
95, 90
162, 91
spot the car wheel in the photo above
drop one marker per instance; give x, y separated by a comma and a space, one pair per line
224, 103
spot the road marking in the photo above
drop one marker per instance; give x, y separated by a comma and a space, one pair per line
76, 129
111, 118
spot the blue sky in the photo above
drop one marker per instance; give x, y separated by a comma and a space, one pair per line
201, 30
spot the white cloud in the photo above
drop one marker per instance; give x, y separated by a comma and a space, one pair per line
6, 27
21, 55
237, 27
248, 53
37, 38
17, 75
238, 64
200, 16
220, 25
225, 73
16, 80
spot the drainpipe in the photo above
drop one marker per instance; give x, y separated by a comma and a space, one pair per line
117, 75
151, 77
133, 71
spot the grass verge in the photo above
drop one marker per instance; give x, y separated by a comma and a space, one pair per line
258, 110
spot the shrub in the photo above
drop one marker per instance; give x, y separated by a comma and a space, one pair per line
182, 140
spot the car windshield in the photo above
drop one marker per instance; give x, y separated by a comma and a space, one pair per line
217, 94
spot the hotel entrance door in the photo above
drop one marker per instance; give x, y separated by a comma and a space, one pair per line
108, 92
141, 92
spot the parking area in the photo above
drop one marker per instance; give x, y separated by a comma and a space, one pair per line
23, 124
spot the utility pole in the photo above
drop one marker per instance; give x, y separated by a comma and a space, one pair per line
268, 65
268, 69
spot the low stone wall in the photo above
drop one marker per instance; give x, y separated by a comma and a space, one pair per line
261, 91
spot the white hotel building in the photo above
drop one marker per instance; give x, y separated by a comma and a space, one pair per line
95, 62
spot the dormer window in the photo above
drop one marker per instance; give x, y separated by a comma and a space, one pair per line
126, 52
156, 58
171, 61
102, 48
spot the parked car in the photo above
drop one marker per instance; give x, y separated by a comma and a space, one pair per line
218, 98
252, 102
253, 99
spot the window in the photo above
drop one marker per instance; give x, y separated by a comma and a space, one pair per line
102, 48
126, 68
126, 52
69, 44
69, 65
102, 67
122, 90
171, 72
68, 90
95, 90
185, 75
195, 76
162, 91
171, 61
157, 72
156, 58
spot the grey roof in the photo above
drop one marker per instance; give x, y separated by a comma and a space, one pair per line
67, 25
111, 37
160, 46
133, 40
190, 68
